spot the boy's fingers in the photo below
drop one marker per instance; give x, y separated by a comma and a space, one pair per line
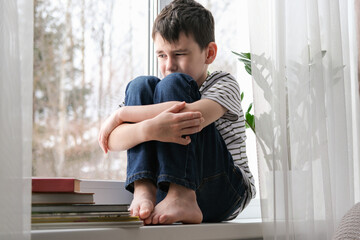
191, 130
177, 107
102, 147
184, 141
195, 115
103, 144
192, 123
189, 116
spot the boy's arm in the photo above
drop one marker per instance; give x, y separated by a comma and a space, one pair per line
209, 109
161, 122
168, 126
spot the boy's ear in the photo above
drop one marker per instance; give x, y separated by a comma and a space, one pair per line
211, 51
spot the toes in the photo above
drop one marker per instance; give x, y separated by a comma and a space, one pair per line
134, 212
148, 220
144, 213
163, 219
166, 219
145, 210
130, 209
155, 220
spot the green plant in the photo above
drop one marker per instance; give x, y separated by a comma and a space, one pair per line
249, 117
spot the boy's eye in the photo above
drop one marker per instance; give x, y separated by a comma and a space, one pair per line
161, 55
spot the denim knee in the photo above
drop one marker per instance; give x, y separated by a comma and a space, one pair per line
141, 83
141, 90
177, 87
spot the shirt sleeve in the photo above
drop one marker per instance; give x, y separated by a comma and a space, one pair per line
122, 104
226, 92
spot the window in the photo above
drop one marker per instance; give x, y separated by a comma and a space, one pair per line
85, 53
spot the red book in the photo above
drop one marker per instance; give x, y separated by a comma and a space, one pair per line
68, 185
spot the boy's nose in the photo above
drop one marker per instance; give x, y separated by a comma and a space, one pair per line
171, 65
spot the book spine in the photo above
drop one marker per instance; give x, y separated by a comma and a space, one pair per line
55, 185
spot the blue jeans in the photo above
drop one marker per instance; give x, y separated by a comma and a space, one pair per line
205, 165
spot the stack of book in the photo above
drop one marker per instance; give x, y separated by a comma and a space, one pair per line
59, 203
59, 191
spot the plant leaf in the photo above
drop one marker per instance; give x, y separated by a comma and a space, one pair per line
246, 55
248, 69
243, 56
236, 53
250, 106
245, 59
250, 120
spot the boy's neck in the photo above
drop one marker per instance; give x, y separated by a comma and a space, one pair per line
202, 79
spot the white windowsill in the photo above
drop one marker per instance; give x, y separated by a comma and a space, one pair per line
249, 227
244, 229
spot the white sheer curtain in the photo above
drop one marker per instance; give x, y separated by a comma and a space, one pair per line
16, 54
304, 67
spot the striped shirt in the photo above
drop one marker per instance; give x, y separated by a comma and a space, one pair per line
223, 88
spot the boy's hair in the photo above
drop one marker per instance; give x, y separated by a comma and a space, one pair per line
186, 16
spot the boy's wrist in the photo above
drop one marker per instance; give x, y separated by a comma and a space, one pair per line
118, 115
145, 130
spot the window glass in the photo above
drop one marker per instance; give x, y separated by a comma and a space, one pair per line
85, 52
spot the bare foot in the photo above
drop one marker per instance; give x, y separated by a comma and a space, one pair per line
144, 199
179, 205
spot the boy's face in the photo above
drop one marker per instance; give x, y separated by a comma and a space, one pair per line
184, 56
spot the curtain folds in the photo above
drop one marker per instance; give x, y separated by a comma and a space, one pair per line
306, 99
16, 64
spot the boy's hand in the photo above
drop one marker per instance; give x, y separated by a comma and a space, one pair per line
107, 127
172, 126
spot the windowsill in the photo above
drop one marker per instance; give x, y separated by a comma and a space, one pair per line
238, 229
106, 192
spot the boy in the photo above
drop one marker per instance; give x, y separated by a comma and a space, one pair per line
185, 134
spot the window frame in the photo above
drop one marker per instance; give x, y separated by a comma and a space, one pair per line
248, 226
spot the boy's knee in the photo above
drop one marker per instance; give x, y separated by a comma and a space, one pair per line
141, 83
175, 82
177, 87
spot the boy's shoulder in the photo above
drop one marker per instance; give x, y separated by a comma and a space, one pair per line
219, 74
218, 77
